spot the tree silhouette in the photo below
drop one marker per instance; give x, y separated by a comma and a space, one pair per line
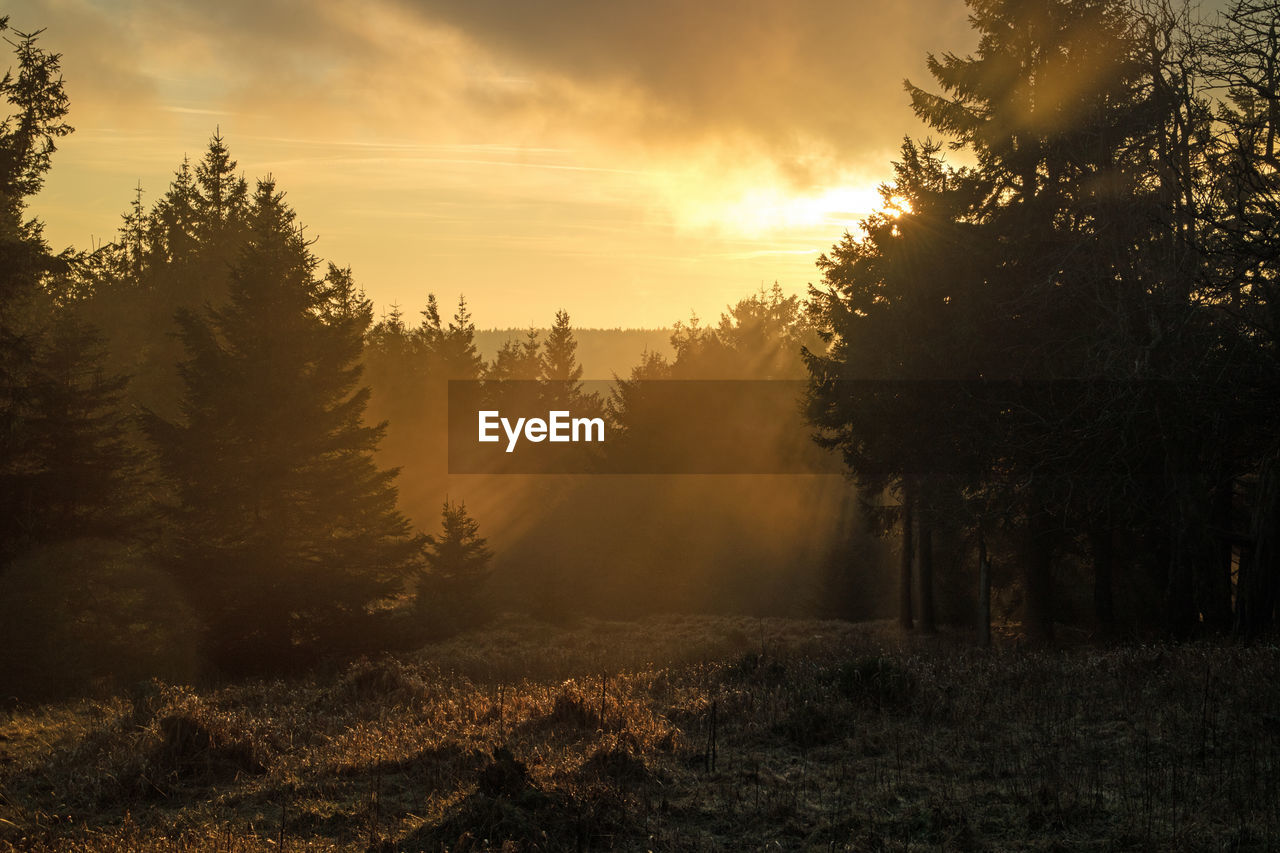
518, 359
561, 375
65, 467
452, 588
286, 531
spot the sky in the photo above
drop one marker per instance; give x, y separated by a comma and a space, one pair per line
632, 163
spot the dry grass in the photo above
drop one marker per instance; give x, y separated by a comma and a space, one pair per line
827, 736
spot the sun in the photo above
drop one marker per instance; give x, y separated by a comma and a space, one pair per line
770, 209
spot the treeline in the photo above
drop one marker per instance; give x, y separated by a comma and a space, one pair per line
237, 464
1051, 372
204, 424
624, 545
601, 352
1114, 253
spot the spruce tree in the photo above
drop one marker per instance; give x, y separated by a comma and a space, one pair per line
223, 198
457, 568
86, 484
457, 353
286, 532
562, 374
560, 353
517, 359
65, 470
174, 222
175, 255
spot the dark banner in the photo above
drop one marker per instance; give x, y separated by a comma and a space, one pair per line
764, 427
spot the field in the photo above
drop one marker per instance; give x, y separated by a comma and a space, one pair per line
676, 733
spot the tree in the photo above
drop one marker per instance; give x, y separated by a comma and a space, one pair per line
511, 382
1114, 250
561, 375
28, 138
223, 199
1243, 59
29, 134
899, 312
451, 589
174, 229
559, 358
285, 531
456, 348
87, 483
759, 337
517, 360
65, 467
1078, 113
173, 256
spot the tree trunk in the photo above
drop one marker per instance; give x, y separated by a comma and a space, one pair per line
1260, 574
1216, 583
984, 594
925, 554
1180, 608
1184, 530
1102, 548
905, 618
1038, 577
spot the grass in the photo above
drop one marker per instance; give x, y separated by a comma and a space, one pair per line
677, 733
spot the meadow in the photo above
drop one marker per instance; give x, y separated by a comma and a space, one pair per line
679, 733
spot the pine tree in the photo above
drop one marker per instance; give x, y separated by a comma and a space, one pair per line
517, 359
560, 353
29, 134
562, 374
175, 221
175, 255
1058, 108
86, 484
127, 264
286, 531
457, 568
897, 306
456, 350
65, 469
223, 199
430, 330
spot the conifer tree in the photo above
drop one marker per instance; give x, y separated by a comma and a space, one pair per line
457, 568
223, 199
517, 359
64, 466
430, 331
562, 374
456, 351
511, 381
87, 482
286, 531
174, 222
560, 352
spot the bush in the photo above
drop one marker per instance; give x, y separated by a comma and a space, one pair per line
383, 680
877, 680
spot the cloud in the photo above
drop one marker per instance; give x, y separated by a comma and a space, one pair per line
806, 84
99, 54
809, 80
668, 147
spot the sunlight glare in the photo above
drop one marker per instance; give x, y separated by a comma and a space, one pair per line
769, 209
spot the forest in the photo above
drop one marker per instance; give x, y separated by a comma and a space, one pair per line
1023, 596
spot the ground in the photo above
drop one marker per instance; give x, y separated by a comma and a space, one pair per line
675, 733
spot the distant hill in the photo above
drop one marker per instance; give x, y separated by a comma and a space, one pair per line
601, 352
